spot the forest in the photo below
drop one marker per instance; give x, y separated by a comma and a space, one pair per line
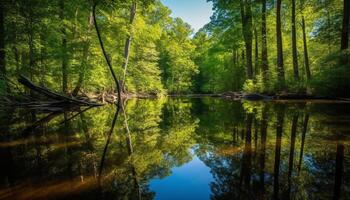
267, 47
183, 125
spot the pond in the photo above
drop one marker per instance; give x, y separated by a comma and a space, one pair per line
180, 148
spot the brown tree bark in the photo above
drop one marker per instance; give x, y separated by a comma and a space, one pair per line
128, 43
280, 67
246, 15
345, 28
294, 44
306, 53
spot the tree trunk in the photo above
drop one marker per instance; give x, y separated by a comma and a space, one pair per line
256, 69
306, 53
264, 59
63, 49
280, 67
294, 44
2, 38
85, 56
246, 15
105, 53
128, 42
31, 43
345, 29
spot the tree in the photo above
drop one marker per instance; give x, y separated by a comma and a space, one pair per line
2, 38
306, 53
128, 42
294, 44
64, 54
280, 66
264, 58
247, 20
345, 28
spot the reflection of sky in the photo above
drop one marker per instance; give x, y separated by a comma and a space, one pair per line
195, 12
190, 181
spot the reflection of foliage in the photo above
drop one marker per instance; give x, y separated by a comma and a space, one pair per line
162, 135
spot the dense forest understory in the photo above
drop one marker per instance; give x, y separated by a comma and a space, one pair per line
90, 48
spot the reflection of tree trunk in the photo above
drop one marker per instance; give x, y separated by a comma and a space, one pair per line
107, 142
338, 170
256, 125
6, 161
291, 152
131, 151
246, 158
279, 130
305, 123
263, 130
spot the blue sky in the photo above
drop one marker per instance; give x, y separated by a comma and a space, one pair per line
195, 12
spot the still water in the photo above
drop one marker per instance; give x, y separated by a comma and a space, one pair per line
178, 149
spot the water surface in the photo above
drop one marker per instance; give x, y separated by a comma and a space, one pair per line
178, 149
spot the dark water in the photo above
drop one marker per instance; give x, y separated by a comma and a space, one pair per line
178, 149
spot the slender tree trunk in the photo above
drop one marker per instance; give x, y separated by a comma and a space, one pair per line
264, 59
84, 62
345, 29
294, 44
63, 49
246, 15
128, 42
31, 43
280, 67
306, 53
105, 53
2, 38
256, 53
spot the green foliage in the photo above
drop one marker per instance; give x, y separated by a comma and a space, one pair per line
333, 75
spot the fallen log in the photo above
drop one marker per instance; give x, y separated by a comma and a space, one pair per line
53, 95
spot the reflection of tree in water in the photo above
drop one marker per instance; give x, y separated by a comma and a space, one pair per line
282, 161
58, 158
69, 152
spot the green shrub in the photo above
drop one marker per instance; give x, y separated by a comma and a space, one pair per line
333, 76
